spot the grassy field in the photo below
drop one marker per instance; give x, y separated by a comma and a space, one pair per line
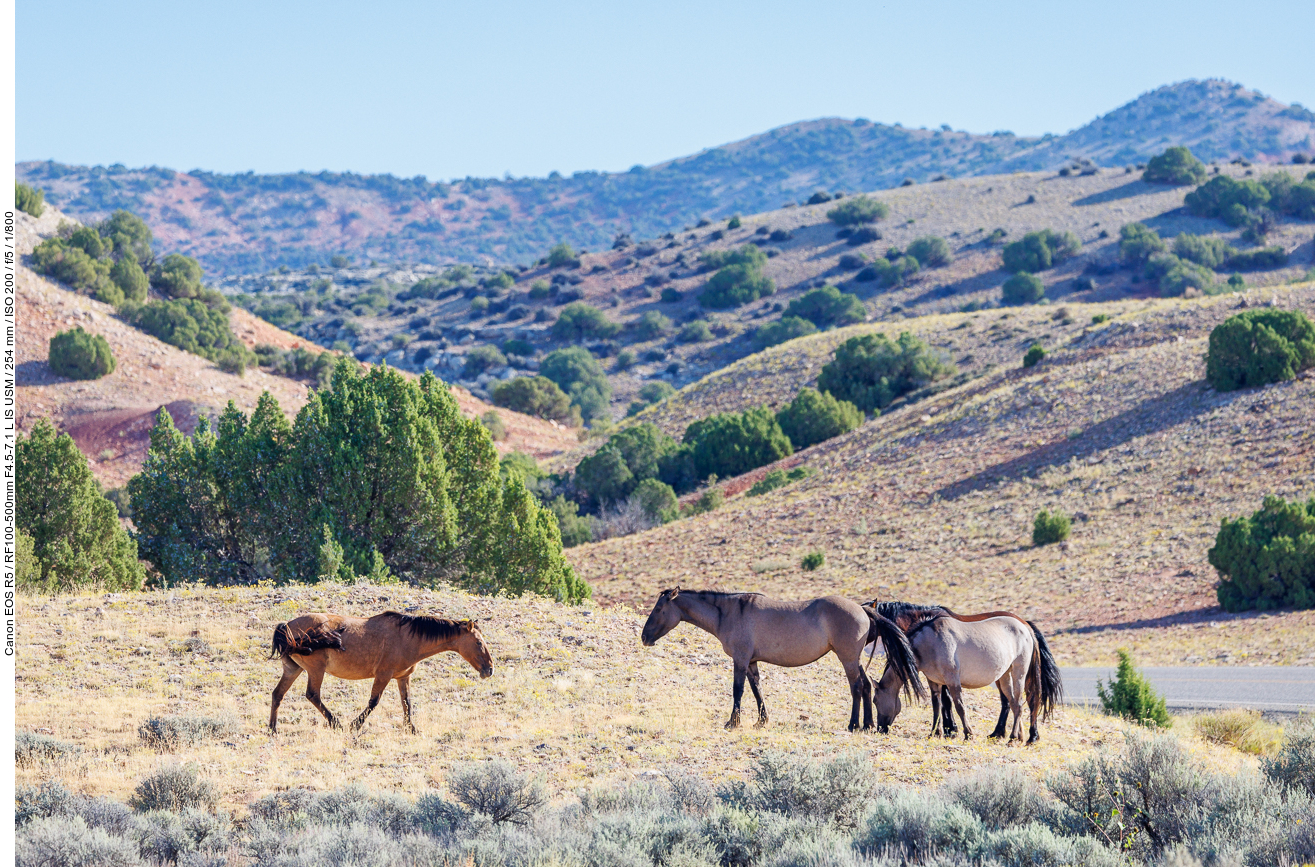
934, 501
574, 697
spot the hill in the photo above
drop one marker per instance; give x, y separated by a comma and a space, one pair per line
110, 418
933, 501
370, 308
247, 223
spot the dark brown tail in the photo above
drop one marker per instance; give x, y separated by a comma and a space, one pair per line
301, 643
899, 653
1044, 687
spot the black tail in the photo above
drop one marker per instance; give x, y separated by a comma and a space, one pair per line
899, 653
316, 638
1043, 681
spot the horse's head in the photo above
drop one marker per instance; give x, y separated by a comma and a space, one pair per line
887, 699
664, 617
470, 644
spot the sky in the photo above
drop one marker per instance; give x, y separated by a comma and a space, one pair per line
450, 90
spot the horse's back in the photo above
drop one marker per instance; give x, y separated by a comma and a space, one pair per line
980, 651
796, 633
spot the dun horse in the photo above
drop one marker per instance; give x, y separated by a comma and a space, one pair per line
958, 654
907, 615
753, 628
384, 647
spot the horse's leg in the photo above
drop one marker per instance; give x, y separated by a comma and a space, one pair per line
737, 692
757, 693
865, 683
1011, 686
956, 693
999, 730
404, 690
1035, 734
291, 671
314, 678
854, 672
936, 691
380, 684
948, 710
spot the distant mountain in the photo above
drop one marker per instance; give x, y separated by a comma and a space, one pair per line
248, 223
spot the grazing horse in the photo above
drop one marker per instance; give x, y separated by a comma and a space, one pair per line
384, 647
753, 628
959, 654
907, 615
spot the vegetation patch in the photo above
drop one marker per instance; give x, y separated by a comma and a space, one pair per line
1259, 347
77, 354
1267, 560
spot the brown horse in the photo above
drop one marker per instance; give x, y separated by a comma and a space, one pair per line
907, 615
384, 647
753, 628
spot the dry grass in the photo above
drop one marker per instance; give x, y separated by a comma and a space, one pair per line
1115, 428
1241, 729
574, 697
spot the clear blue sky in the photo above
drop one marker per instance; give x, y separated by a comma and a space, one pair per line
448, 90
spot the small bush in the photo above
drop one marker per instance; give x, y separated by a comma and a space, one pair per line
533, 395
493, 424
918, 825
68, 842
581, 321
1204, 251
733, 222
1049, 528
1099, 318
931, 251
739, 279
1294, 766
562, 256
190, 325
575, 528
709, 501
1176, 276
1267, 560
495, 789
174, 788
871, 371
695, 332
858, 209
812, 561
1039, 251
578, 373
836, 791
785, 328
1224, 198
482, 359
168, 733
778, 479
29, 200
31, 748
1035, 353
651, 324
1242, 729
78, 354
814, 416
1257, 260
1130, 696
670, 295
1176, 166
852, 261
1001, 799
827, 306
862, 235
1022, 289
656, 499
1258, 347
732, 443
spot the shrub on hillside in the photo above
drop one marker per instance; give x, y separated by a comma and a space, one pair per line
649, 394
1267, 560
1257, 260
931, 251
29, 200
1224, 198
494, 425
416, 490
827, 306
128, 235
1130, 696
497, 790
872, 370
168, 733
1175, 165
482, 359
862, 235
858, 209
581, 321
732, 443
178, 276
1294, 766
888, 272
814, 416
1205, 251
1138, 242
697, 331
1050, 527
812, 561
1175, 276
192, 326
562, 256
533, 395
778, 479
579, 374
175, 788
651, 324
78, 354
76, 536
739, 279
71, 265
1039, 251
783, 329
1258, 347
575, 529
1022, 289
1034, 354
129, 277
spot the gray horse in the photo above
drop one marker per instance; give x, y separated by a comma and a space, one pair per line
957, 655
753, 628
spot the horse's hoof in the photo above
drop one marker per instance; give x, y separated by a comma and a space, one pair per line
762, 721
732, 723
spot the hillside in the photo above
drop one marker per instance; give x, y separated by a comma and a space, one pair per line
627, 283
248, 223
110, 418
933, 501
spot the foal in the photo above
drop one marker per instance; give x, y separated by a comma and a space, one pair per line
384, 647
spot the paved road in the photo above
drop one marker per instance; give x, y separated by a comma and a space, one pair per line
1272, 688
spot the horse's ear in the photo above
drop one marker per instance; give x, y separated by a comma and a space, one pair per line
675, 592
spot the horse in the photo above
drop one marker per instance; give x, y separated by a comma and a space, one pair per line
383, 647
907, 615
753, 628
957, 654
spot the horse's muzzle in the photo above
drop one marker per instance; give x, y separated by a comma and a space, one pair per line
486, 671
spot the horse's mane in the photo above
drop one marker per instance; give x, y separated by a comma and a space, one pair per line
422, 626
718, 594
908, 615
